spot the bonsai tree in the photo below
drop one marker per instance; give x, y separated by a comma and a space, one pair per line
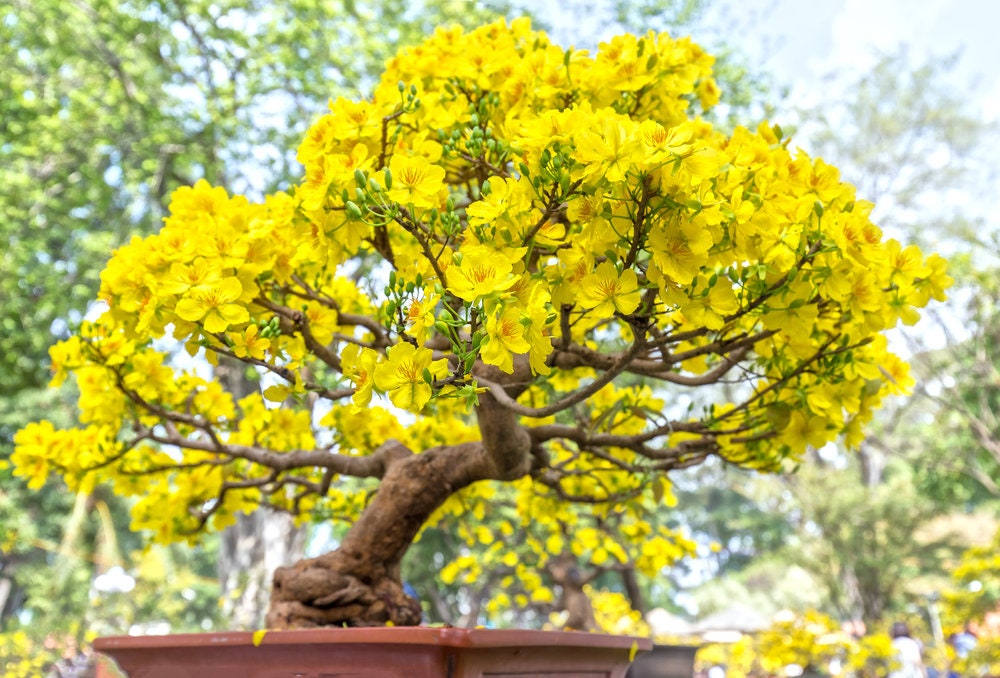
514, 264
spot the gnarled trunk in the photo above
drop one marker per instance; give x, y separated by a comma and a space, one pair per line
359, 583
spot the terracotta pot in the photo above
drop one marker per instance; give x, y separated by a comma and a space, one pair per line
410, 652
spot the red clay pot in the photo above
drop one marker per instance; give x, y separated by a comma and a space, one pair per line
410, 652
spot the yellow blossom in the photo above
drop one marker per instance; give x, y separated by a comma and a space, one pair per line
505, 338
606, 291
483, 271
420, 316
607, 150
415, 181
358, 364
249, 343
213, 305
402, 375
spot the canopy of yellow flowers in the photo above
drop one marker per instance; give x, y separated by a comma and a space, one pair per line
498, 202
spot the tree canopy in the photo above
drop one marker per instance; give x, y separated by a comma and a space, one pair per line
513, 263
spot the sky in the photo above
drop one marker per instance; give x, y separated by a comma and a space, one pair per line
799, 41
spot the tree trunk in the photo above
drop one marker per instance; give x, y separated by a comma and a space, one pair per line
250, 552
359, 584
635, 596
253, 548
574, 601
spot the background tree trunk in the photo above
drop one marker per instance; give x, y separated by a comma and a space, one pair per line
249, 553
252, 549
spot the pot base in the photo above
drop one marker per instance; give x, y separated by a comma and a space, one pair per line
402, 652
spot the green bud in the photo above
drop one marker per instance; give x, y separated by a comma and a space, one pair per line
359, 178
388, 178
428, 377
353, 209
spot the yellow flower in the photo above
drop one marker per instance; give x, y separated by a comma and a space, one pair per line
402, 375
183, 277
506, 337
65, 356
606, 292
359, 366
212, 304
535, 332
504, 197
483, 271
415, 181
250, 343
679, 251
934, 285
607, 151
332, 171
711, 309
420, 316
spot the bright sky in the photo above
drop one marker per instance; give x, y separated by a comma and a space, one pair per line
798, 40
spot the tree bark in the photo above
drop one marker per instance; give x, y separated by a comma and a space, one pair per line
359, 584
258, 543
250, 552
574, 601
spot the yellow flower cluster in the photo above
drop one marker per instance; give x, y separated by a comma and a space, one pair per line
811, 640
500, 202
